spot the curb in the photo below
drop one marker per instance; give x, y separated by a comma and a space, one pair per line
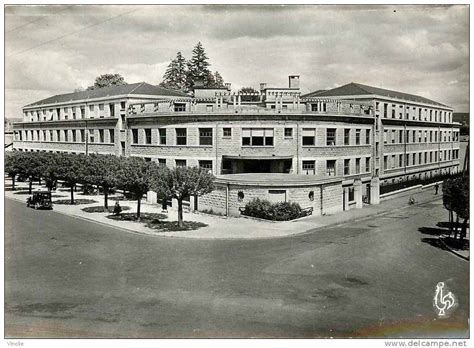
451, 250
124, 229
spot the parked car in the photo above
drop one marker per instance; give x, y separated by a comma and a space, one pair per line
40, 199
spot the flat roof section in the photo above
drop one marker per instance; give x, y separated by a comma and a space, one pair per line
275, 179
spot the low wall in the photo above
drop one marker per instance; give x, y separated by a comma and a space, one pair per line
226, 199
409, 190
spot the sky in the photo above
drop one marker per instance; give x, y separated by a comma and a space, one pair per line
422, 50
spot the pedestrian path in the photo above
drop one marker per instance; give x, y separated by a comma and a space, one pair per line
218, 227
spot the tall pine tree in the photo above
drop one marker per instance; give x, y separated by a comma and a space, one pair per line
175, 75
198, 68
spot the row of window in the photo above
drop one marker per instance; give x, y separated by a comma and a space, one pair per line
413, 136
412, 159
254, 136
309, 167
67, 135
74, 112
204, 164
401, 111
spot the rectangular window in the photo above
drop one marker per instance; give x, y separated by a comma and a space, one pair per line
431, 156
134, 136
101, 107
209, 108
419, 136
180, 163
426, 136
385, 136
101, 135
314, 107
393, 111
357, 136
331, 167
147, 136
331, 136
400, 160
122, 106
181, 136
73, 135
91, 135
162, 133
385, 162
394, 136
400, 136
407, 159
205, 136
112, 110
206, 165
347, 135
83, 137
347, 169
393, 161
227, 132
367, 164
257, 136
414, 159
426, 157
385, 110
367, 136
179, 107
309, 136
309, 167
288, 132
162, 162
111, 136
419, 158
357, 165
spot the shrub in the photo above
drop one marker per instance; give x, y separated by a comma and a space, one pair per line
282, 211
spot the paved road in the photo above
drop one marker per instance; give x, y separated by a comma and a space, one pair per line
70, 278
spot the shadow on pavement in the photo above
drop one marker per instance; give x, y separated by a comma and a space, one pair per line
432, 231
435, 242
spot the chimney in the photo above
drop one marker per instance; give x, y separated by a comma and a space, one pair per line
263, 85
294, 81
227, 85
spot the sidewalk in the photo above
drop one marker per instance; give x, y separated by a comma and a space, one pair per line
218, 227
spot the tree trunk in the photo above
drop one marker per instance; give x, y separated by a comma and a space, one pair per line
463, 229
72, 194
30, 186
13, 182
138, 206
456, 227
180, 213
106, 196
451, 222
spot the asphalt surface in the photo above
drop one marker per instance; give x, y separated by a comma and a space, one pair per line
66, 277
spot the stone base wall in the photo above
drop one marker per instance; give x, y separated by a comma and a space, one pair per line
324, 199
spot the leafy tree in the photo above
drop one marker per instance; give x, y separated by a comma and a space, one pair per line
107, 80
249, 97
198, 68
218, 80
180, 183
101, 171
72, 169
29, 166
12, 165
49, 169
175, 75
132, 175
456, 200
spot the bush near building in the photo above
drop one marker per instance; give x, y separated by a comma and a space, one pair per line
282, 211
